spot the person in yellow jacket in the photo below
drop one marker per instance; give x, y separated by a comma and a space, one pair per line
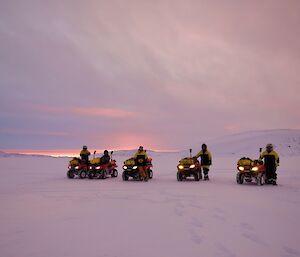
141, 160
271, 161
84, 154
206, 160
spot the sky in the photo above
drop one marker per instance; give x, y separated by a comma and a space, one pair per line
163, 74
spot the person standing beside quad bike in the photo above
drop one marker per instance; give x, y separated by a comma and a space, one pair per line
141, 161
271, 161
206, 160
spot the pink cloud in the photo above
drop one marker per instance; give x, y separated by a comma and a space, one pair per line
30, 132
104, 112
89, 111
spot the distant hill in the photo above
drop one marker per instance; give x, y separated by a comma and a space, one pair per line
4, 154
285, 141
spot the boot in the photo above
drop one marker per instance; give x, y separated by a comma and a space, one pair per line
206, 175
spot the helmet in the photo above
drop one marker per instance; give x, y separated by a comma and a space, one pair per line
269, 147
105, 152
84, 147
141, 148
204, 146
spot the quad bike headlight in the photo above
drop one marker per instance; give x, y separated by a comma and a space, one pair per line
134, 167
77, 167
254, 169
241, 168
98, 168
69, 167
125, 167
90, 168
192, 166
181, 167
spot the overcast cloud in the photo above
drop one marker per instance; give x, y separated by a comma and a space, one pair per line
117, 74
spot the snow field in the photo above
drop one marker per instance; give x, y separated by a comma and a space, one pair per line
45, 214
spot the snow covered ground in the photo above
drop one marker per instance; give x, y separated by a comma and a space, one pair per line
44, 214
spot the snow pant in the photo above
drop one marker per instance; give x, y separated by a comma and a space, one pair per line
205, 171
271, 173
143, 172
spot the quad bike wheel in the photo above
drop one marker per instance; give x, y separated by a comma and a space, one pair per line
260, 180
114, 174
99, 176
200, 175
82, 174
90, 175
239, 178
124, 176
150, 174
179, 176
70, 174
102, 175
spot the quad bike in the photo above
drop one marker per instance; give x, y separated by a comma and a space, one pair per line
78, 168
250, 171
130, 169
189, 167
99, 170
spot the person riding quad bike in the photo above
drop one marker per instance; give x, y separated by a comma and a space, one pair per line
206, 160
130, 169
103, 166
105, 159
250, 170
138, 167
84, 154
189, 167
271, 162
141, 162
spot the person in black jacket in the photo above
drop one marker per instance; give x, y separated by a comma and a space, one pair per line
271, 162
105, 159
206, 160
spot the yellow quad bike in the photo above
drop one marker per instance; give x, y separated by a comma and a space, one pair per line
130, 169
189, 167
96, 170
250, 171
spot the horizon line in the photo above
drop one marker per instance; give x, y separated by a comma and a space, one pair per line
72, 152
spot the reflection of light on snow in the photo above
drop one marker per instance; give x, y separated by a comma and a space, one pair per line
63, 155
